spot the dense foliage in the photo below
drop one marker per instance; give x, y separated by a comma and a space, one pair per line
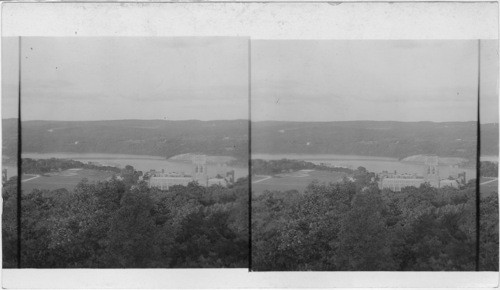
42, 166
374, 138
271, 167
354, 226
489, 169
123, 224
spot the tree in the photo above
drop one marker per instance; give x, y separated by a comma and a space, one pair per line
9, 223
129, 175
364, 239
133, 235
489, 233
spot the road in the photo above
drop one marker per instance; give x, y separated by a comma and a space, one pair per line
489, 181
31, 178
266, 177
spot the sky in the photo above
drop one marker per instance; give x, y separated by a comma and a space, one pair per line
83, 78
207, 78
398, 80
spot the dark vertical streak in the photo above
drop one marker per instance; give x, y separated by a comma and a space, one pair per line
249, 155
478, 156
19, 160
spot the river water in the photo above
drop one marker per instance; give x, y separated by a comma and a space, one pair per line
373, 164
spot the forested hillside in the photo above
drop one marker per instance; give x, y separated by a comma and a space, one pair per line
370, 138
9, 137
489, 139
138, 137
169, 138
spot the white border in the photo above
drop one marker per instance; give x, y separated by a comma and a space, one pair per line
240, 278
259, 21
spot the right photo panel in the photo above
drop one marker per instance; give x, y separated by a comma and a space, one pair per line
364, 155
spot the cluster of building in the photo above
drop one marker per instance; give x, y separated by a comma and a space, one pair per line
164, 180
396, 182
4, 175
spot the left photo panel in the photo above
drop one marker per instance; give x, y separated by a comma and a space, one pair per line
125, 152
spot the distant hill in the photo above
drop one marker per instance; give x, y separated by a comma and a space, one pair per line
139, 137
374, 138
489, 139
9, 138
230, 138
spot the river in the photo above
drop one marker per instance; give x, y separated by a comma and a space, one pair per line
371, 163
143, 163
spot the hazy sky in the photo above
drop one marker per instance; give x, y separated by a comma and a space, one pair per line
127, 78
330, 80
207, 78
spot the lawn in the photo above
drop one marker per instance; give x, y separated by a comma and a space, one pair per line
66, 179
298, 180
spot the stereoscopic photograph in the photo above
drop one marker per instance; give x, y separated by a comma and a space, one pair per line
364, 155
134, 152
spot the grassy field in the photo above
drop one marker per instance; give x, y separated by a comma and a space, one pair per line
488, 185
66, 179
298, 180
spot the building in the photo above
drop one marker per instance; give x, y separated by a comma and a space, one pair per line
449, 182
224, 177
199, 174
164, 181
431, 173
217, 181
456, 174
223, 172
4, 175
462, 178
230, 176
396, 182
